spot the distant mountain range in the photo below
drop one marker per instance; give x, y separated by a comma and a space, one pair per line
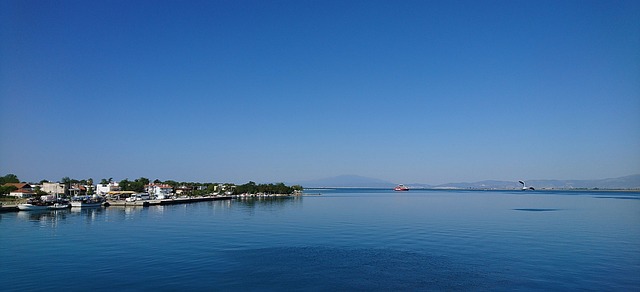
355, 181
347, 181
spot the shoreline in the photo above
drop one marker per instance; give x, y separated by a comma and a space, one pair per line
139, 203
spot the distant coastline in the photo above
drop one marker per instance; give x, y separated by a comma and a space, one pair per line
476, 189
625, 183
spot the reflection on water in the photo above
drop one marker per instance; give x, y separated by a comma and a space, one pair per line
117, 213
267, 204
90, 214
44, 218
536, 209
53, 217
252, 201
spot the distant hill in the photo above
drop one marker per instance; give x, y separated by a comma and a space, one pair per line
485, 184
347, 181
355, 181
625, 182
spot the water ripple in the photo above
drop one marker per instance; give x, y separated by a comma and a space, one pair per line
536, 209
324, 268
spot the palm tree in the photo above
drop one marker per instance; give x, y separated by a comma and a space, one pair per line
67, 184
90, 187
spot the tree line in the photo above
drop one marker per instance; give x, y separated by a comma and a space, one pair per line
139, 184
7, 179
279, 188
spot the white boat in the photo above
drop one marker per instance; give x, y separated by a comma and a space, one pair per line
58, 206
83, 204
39, 205
86, 202
48, 202
32, 207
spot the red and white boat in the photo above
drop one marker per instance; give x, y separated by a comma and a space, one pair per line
400, 188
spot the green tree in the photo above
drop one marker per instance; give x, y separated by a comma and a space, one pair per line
143, 180
248, 188
252, 188
9, 178
5, 190
67, 184
138, 185
172, 183
125, 185
90, 190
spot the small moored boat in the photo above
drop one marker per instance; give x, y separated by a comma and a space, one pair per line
86, 202
32, 206
59, 206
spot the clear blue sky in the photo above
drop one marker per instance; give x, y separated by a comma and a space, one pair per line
405, 91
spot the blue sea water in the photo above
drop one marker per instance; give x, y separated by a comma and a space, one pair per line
344, 239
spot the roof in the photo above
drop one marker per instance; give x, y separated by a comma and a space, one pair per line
162, 186
79, 187
18, 185
120, 192
23, 191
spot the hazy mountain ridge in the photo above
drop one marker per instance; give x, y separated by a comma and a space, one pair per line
625, 182
347, 181
354, 181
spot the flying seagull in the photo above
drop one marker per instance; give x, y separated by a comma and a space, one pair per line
524, 186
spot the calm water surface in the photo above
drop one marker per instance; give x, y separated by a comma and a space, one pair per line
341, 240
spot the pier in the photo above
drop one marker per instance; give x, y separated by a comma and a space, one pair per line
146, 203
141, 203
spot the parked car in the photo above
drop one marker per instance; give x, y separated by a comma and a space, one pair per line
138, 197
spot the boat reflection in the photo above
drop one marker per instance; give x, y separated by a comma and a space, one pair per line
48, 218
55, 216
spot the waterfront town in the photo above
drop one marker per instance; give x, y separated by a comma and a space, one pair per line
16, 195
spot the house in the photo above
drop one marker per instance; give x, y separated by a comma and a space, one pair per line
224, 188
183, 189
19, 186
78, 190
53, 188
22, 193
104, 189
160, 191
22, 190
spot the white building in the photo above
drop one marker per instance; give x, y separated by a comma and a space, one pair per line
160, 191
183, 189
22, 193
104, 189
53, 188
